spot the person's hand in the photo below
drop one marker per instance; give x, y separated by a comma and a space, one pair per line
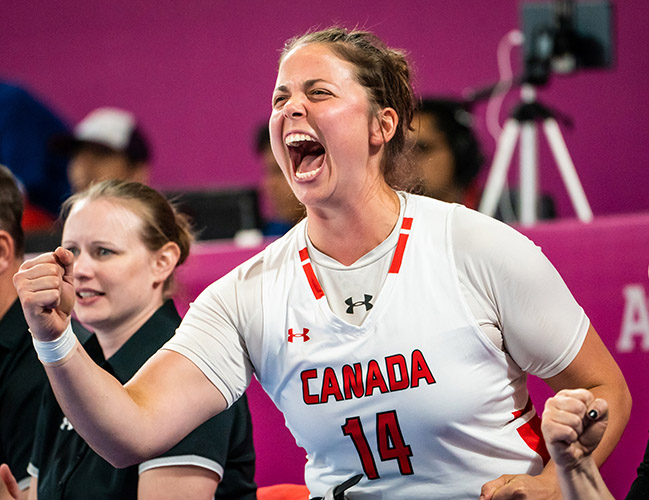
46, 292
521, 487
573, 425
10, 484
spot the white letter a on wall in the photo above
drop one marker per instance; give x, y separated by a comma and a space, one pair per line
635, 321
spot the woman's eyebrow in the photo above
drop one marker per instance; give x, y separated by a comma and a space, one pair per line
307, 83
310, 83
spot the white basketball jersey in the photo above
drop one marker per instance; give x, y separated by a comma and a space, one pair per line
417, 397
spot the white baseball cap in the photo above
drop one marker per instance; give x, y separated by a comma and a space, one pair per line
113, 128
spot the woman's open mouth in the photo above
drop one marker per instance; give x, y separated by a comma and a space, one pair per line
307, 155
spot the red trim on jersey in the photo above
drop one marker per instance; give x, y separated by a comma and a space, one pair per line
395, 265
310, 275
531, 433
527, 408
401, 246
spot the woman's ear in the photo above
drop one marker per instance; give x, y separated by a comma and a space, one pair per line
165, 260
384, 127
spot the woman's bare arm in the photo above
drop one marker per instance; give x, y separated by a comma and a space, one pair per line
167, 398
172, 482
595, 369
573, 425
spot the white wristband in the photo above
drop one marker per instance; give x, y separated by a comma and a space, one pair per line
55, 352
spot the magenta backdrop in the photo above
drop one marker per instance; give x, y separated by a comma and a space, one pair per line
199, 74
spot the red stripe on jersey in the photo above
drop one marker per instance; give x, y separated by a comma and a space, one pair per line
527, 408
531, 433
310, 275
401, 246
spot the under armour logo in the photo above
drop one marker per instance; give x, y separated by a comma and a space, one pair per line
66, 425
368, 305
302, 335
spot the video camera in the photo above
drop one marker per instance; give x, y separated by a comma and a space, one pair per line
564, 36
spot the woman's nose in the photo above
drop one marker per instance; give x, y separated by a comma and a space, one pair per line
82, 266
294, 107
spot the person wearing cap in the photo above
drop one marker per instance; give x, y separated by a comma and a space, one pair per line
107, 144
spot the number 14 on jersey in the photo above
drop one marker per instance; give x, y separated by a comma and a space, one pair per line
389, 442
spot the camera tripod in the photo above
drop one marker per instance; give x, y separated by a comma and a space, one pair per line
523, 123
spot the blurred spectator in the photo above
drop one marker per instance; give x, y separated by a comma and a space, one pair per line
26, 127
284, 208
21, 374
446, 153
448, 158
107, 144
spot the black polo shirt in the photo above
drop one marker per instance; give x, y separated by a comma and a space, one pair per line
68, 468
640, 487
22, 379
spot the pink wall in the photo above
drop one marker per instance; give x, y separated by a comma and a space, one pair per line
200, 75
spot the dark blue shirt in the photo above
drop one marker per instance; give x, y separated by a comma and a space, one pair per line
26, 128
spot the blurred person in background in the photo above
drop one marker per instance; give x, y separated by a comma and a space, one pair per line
446, 153
284, 208
22, 377
107, 144
447, 157
27, 126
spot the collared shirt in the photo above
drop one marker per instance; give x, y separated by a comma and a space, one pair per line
67, 468
22, 379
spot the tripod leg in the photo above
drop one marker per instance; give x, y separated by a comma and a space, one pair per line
529, 173
498, 173
567, 170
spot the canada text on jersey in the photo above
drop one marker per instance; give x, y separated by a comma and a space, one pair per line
357, 381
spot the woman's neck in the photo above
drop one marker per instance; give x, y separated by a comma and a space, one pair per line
112, 337
350, 230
